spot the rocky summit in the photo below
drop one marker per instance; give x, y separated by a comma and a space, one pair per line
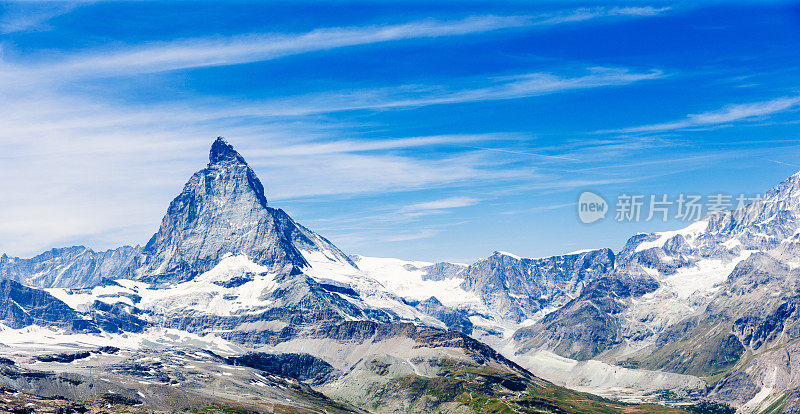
234, 306
221, 211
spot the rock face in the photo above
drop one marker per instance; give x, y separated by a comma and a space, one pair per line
293, 306
515, 289
222, 210
21, 306
302, 367
519, 288
684, 272
69, 267
454, 319
589, 324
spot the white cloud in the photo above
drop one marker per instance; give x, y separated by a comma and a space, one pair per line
584, 14
79, 170
221, 51
730, 113
424, 234
75, 157
232, 50
356, 146
17, 17
446, 203
488, 89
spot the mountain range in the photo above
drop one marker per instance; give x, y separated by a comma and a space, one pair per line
232, 305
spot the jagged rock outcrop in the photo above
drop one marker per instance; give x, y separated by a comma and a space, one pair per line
515, 289
454, 319
442, 271
69, 267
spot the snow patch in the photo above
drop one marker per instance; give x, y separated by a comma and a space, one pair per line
703, 277
688, 232
35, 339
509, 255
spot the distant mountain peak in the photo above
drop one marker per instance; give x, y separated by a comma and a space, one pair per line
222, 151
502, 253
223, 210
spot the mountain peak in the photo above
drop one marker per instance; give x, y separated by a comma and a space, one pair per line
222, 151
502, 253
222, 211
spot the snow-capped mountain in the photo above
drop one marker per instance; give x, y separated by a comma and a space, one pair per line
69, 267
717, 299
226, 275
708, 311
224, 254
223, 210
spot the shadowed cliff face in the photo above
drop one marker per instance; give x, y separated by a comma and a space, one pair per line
24, 306
222, 210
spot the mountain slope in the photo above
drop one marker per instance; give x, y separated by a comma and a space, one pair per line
69, 267
717, 299
488, 299
520, 288
226, 272
223, 210
23, 306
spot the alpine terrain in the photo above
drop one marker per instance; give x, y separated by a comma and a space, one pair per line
232, 306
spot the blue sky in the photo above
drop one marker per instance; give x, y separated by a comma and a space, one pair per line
431, 131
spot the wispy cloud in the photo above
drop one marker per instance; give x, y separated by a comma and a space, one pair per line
221, 51
358, 146
465, 90
583, 14
527, 85
784, 163
489, 89
528, 153
443, 204
22, 17
413, 212
730, 113
539, 208
423, 234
